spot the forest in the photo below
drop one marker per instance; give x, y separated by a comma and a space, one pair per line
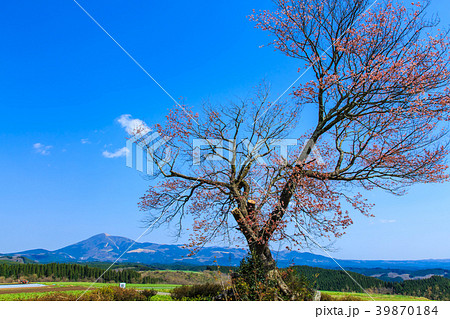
434, 288
68, 272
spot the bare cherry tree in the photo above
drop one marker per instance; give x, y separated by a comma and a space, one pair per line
380, 90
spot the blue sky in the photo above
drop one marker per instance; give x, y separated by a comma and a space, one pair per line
64, 84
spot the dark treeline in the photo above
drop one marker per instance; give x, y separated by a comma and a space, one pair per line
435, 288
70, 272
337, 280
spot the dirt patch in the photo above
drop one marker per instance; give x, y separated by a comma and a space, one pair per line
39, 289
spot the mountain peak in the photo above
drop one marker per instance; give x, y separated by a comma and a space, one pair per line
100, 236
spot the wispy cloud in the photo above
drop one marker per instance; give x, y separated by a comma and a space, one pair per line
85, 141
387, 221
132, 125
119, 153
42, 149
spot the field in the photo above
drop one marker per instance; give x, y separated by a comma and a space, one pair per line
377, 297
40, 289
185, 277
29, 295
77, 288
157, 287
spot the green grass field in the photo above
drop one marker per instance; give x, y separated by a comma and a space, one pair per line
377, 297
29, 295
157, 287
161, 298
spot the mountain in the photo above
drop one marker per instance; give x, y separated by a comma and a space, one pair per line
107, 248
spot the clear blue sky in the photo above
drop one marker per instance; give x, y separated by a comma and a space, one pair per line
64, 84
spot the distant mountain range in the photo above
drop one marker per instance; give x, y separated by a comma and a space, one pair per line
107, 248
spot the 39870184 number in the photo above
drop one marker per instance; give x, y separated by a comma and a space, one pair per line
406, 310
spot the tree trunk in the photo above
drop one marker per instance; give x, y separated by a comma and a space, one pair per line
262, 252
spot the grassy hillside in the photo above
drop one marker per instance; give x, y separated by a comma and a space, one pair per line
15, 260
153, 267
186, 277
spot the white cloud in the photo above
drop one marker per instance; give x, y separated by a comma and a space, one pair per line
42, 149
131, 125
119, 153
387, 221
85, 141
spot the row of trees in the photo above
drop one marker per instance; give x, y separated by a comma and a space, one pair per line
71, 272
434, 288
335, 280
